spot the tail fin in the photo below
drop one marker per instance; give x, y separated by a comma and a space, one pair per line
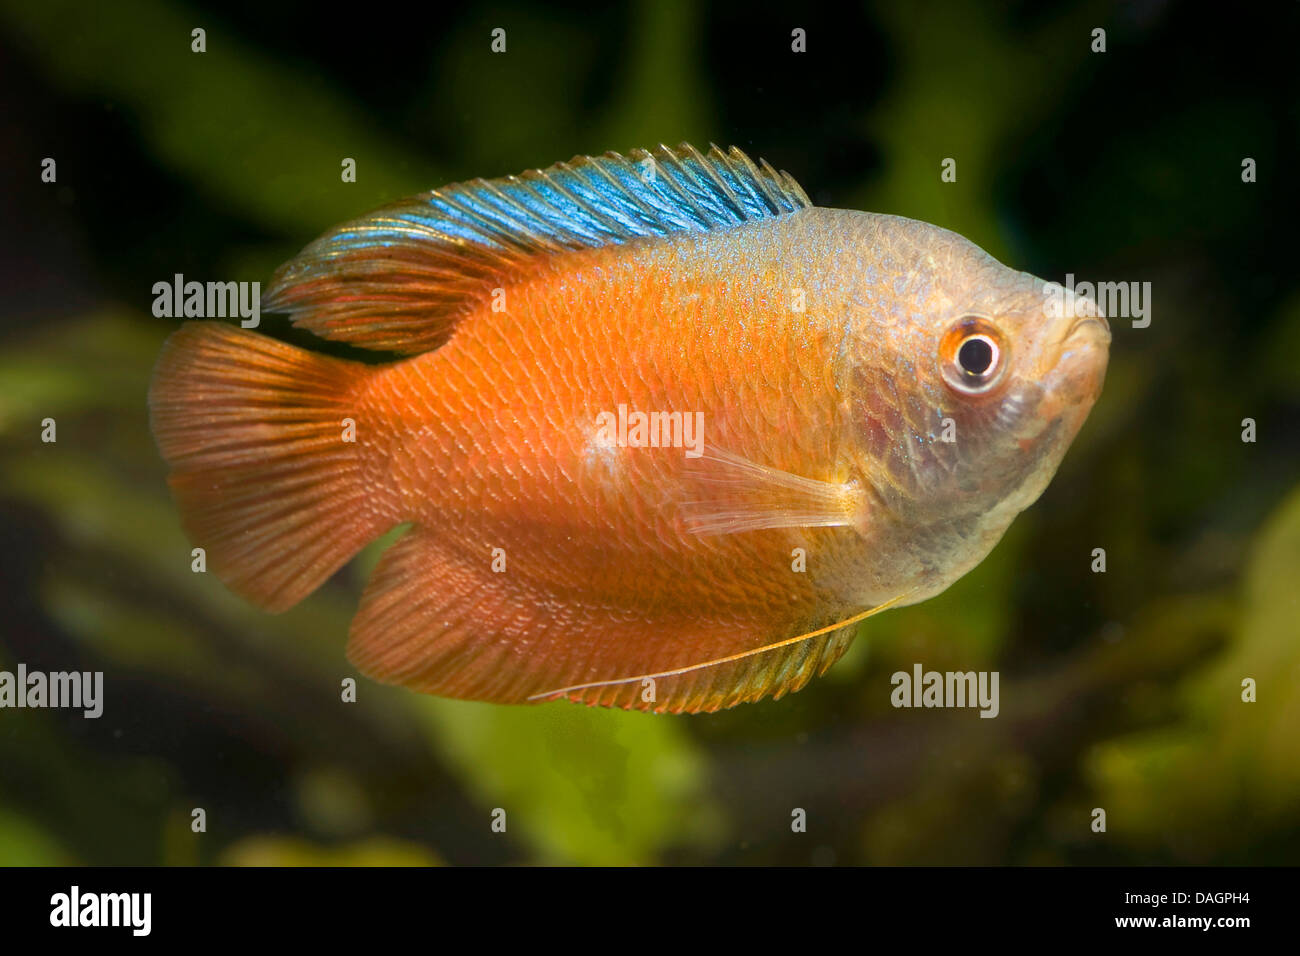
253, 431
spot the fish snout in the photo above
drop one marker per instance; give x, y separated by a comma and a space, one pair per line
1080, 370
1082, 323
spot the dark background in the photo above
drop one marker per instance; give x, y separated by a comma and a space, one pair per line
1120, 690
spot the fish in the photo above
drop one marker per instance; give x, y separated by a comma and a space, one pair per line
659, 432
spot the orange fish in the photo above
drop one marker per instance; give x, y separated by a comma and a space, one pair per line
663, 430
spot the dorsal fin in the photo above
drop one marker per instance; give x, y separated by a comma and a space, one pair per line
400, 278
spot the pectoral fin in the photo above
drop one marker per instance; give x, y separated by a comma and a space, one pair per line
736, 494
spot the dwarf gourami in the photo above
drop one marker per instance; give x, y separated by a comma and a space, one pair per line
664, 431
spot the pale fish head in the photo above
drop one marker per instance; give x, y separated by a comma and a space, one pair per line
970, 381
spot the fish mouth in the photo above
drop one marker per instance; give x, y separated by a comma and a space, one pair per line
1087, 316
1076, 380
1091, 325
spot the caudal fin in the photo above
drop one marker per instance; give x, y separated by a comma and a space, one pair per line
253, 430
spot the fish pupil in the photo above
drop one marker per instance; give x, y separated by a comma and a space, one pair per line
975, 355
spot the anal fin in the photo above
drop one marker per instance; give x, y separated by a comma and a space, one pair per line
436, 619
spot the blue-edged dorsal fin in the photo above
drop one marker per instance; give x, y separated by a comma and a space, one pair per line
400, 278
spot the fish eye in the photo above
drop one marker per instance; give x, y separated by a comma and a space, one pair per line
977, 355
973, 355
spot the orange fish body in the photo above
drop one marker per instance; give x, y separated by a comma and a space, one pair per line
662, 439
